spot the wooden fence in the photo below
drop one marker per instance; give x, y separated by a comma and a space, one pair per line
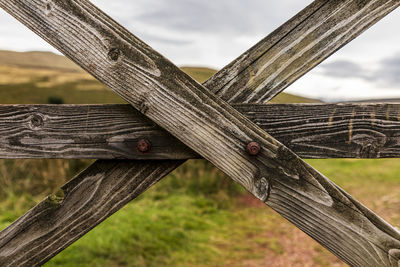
219, 121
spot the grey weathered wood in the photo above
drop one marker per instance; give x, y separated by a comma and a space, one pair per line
295, 48
30, 258
83, 131
20, 227
213, 129
112, 131
80, 205
306, 225
350, 130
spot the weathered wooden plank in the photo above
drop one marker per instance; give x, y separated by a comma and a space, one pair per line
83, 131
112, 131
297, 47
80, 205
31, 258
349, 130
213, 129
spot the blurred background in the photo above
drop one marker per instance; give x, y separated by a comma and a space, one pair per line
197, 216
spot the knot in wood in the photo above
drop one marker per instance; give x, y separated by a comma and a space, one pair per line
48, 8
143, 146
370, 145
57, 198
114, 54
36, 121
285, 154
369, 150
262, 189
253, 148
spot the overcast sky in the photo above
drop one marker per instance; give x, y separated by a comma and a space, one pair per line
213, 33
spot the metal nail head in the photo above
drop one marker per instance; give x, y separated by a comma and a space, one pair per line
253, 148
143, 146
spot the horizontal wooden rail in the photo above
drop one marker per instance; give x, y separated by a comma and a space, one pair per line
112, 131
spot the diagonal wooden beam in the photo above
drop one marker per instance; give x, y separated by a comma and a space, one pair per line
113, 131
23, 227
80, 205
215, 130
48, 8
295, 48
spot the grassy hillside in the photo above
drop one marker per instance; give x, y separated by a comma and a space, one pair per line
34, 77
38, 77
194, 217
181, 223
202, 74
38, 60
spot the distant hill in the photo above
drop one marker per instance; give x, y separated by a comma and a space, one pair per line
36, 77
202, 74
199, 74
40, 60
289, 98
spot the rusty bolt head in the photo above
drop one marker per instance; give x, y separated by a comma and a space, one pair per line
253, 148
143, 146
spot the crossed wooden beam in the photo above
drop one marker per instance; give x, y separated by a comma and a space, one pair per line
189, 120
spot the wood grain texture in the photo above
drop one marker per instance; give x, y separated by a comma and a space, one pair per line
112, 131
19, 228
83, 131
80, 205
23, 225
213, 129
349, 130
297, 47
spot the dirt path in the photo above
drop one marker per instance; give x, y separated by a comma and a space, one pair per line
284, 245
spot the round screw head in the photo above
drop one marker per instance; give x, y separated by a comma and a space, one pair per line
143, 146
253, 148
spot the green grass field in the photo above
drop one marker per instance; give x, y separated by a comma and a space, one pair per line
194, 217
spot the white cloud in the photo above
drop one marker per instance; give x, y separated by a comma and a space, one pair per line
213, 33
369, 51
15, 36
